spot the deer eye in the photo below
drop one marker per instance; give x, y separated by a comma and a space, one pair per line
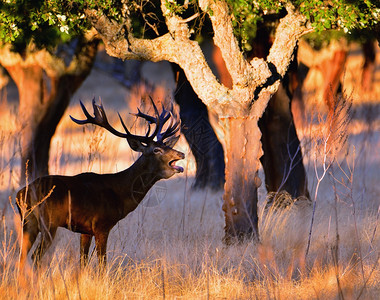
157, 150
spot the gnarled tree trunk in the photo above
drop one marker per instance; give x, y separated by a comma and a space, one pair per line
242, 181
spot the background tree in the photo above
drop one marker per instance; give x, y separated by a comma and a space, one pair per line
46, 75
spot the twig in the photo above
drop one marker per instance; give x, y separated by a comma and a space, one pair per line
335, 248
163, 279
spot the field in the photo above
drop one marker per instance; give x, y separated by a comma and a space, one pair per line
171, 246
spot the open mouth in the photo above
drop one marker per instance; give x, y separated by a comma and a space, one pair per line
178, 169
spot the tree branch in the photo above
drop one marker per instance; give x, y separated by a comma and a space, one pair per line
224, 38
288, 32
43, 58
174, 46
251, 80
85, 53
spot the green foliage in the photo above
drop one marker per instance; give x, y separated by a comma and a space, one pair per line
247, 15
345, 15
318, 40
48, 22
340, 14
174, 7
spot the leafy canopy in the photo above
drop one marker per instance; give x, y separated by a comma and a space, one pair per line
49, 22
344, 15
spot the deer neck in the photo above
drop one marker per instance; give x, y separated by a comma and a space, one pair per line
137, 180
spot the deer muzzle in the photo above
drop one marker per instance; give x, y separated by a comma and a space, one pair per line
172, 163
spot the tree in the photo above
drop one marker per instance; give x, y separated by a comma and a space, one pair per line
44, 79
255, 80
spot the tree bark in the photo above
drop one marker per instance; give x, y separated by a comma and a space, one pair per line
30, 83
332, 71
282, 158
240, 190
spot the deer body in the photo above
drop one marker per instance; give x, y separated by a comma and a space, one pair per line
90, 203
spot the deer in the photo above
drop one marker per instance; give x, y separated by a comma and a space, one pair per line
91, 204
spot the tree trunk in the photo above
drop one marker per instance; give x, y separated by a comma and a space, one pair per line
40, 113
44, 94
369, 65
196, 127
30, 84
282, 158
332, 70
240, 196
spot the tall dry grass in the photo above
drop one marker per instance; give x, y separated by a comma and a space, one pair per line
170, 246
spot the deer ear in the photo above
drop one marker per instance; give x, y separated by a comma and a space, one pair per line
172, 141
136, 145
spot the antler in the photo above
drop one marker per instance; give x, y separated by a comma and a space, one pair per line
100, 119
160, 120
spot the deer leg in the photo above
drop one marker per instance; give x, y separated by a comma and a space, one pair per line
101, 247
85, 243
47, 236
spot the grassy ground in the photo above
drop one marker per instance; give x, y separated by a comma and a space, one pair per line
170, 247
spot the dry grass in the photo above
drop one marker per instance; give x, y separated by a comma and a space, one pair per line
170, 247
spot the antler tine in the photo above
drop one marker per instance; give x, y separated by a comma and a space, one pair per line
154, 106
149, 118
159, 120
99, 119
170, 135
164, 117
143, 139
172, 129
88, 116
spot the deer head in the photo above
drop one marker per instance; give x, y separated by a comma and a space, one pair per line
156, 147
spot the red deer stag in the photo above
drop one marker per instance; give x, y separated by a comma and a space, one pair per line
90, 203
